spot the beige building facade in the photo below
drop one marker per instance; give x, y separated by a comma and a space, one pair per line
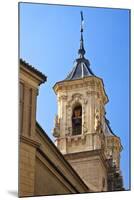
42, 168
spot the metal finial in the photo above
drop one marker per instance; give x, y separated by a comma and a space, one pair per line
82, 21
81, 51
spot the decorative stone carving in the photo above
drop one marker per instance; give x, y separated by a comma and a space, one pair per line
98, 95
69, 140
63, 97
84, 128
98, 84
97, 122
85, 100
92, 83
56, 130
83, 137
76, 96
102, 139
68, 106
91, 93
69, 130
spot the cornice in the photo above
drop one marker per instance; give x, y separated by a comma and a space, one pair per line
32, 72
30, 141
92, 86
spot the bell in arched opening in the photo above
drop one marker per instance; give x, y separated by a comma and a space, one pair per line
77, 120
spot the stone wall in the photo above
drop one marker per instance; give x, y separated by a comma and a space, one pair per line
91, 169
47, 180
26, 169
42, 168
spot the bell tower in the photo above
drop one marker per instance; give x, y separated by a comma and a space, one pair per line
80, 124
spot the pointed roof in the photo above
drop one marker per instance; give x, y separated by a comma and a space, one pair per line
80, 70
81, 67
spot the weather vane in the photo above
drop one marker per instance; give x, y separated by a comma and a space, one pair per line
81, 50
82, 21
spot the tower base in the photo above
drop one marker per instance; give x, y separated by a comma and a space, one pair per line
91, 167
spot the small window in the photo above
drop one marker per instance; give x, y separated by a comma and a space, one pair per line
77, 120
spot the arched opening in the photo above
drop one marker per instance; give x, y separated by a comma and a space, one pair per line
77, 120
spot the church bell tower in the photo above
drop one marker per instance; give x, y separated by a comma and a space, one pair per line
82, 132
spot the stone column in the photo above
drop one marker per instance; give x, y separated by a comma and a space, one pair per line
33, 112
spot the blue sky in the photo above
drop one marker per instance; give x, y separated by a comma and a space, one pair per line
49, 40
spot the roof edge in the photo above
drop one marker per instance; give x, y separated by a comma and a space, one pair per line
58, 151
33, 69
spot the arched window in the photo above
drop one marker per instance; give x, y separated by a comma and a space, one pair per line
77, 120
